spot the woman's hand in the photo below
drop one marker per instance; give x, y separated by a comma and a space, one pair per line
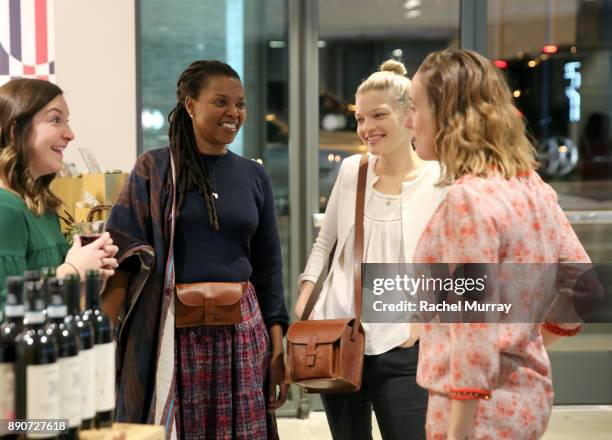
300, 305
415, 332
111, 249
276, 378
276, 370
98, 255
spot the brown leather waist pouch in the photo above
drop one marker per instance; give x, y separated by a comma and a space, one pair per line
208, 303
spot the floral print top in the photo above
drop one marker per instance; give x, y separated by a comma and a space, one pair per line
493, 220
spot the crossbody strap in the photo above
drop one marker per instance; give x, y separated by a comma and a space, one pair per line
359, 209
358, 249
316, 290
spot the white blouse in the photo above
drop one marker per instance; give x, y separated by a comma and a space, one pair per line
383, 243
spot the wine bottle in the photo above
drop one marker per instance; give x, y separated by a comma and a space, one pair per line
12, 326
37, 373
35, 277
46, 273
68, 342
85, 330
104, 349
31, 275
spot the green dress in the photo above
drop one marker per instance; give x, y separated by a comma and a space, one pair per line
27, 241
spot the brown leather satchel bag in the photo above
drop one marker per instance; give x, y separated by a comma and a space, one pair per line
208, 304
326, 356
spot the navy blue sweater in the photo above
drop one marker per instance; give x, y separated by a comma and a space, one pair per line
247, 244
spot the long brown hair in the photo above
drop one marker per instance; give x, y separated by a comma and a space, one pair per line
20, 100
478, 127
190, 174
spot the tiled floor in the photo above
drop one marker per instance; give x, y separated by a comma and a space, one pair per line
567, 423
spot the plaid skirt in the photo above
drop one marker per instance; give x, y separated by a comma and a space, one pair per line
222, 372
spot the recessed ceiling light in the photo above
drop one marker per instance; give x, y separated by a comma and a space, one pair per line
410, 4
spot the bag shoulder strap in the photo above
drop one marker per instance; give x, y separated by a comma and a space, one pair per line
316, 290
359, 209
358, 248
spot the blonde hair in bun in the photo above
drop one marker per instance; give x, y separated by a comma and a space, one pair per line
391, 77
393, 66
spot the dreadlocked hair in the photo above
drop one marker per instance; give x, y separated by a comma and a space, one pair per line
190, 172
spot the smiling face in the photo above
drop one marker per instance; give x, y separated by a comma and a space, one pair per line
218, 112
380, 123
48, 138
422, 120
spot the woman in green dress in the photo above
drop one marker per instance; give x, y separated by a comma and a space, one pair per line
34, 133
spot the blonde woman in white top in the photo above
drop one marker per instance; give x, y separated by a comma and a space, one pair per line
400, 198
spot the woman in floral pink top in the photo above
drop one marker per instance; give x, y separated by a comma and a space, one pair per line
485, 381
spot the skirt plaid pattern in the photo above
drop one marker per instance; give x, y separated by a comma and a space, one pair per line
221, 375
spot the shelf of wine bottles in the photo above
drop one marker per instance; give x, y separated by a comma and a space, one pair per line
57, 361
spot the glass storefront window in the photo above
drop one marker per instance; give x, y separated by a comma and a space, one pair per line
557, 56
353, 45
251, 36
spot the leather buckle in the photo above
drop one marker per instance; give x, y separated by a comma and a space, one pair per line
311, 350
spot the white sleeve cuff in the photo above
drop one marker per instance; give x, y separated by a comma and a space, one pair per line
306, 277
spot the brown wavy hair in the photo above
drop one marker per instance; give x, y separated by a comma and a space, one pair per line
20, 100
479, 130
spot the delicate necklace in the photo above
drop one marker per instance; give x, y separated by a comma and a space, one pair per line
211, 173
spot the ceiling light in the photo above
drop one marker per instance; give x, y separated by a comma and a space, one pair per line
414, 13
516, 93
397, 53
410, 4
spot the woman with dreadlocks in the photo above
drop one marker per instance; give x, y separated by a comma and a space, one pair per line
198, 213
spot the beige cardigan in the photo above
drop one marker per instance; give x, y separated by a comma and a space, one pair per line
338, 224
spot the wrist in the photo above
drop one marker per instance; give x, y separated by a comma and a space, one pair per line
277, 351
276, 340
67, 268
